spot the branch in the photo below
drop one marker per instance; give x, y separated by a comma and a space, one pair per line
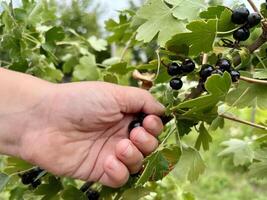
256, 45
252, 4
252, 80
235, 119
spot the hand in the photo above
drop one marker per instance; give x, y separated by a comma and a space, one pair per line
80, 130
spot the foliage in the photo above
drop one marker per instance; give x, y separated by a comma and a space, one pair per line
65, 44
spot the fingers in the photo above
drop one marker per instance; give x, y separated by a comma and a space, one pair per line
129, 155
115, 174
143, 140
153, 125
134, 100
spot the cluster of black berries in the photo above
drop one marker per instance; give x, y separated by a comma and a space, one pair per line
178, 70
221, 66
241, 16
29, 177
89, 192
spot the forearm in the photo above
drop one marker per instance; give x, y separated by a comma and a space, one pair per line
19, 95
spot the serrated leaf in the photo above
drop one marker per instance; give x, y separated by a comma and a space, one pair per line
135, 193
184, 126
110, 78
4, 178
258, 170
240, 149
86, 70
217, 87
54, 34
119, 68
251, 94
223, 14
190, 165
159, 21
264, 9
260, 74
50, 189
157, 164
217, 123
181, 7
16, 165
71, 193
200, 38
98, 44
203, 139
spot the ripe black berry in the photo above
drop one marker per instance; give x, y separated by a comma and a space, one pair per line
217, 71
224, 65
205, 72
176, 83
92, 195
240, 15
241, 34
235, 75
188, 66
253, 19
36, 183
174, 69
135, 124
29, 176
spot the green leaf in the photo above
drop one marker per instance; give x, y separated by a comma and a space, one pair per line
213, 12
223, 14
217, 87
4, 178
184, 126
71, 193
203, 139
50, 189
119, 68
54, 34
240, 149
159, 21
187, 9
86, 70
157, 164
190, 165
16, 165
260, 74
110, 78
200, 39
217, 123
135, 193
251, 94
264, 10
98, 44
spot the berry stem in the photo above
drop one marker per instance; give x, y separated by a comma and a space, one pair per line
235, 119
253, 80
127, 46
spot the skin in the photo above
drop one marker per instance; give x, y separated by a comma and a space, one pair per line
78, 130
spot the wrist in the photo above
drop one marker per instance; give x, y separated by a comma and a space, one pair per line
21, 96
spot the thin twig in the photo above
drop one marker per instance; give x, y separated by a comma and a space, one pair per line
252, 4
127, 46
235, 119
253, 80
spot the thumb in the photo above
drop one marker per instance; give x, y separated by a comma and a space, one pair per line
134, 100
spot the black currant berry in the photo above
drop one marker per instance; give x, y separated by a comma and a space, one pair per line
217, 71
174, 69
92, 195
36, 183
253, 19
176, 83
29, 176
241, 34
188, 66
240, 15
205, 72
224, 65
235, 75
135, 124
